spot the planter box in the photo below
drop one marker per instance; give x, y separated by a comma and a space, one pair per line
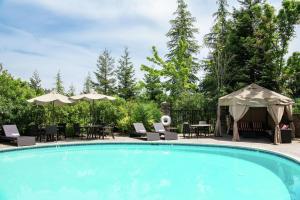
296, 118
286, 136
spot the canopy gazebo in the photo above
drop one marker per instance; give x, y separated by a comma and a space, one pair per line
255, 96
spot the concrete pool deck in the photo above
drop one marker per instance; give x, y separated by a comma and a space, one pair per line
291, 150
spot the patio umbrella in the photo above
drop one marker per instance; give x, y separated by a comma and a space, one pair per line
92, 97
52, 98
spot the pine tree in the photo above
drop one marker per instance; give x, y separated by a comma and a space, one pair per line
59, 84
251, 42
35, 82
72, 90
125, 75
217, 63
153, 88
88, 84
105, 74
183, 29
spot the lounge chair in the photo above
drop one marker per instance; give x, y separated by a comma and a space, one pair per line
12, 135
159, 128
141, 131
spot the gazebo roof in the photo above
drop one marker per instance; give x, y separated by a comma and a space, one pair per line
255, 96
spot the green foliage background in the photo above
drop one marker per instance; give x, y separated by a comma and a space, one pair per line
14, 109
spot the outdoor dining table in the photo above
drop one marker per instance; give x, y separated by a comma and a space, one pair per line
197, 128
93, 130
42, 131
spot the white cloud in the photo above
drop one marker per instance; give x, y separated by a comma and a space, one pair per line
107, 9
22, 53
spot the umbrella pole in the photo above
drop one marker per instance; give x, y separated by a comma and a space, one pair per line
53, 116
93, 111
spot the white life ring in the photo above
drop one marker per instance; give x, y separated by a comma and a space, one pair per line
166, 120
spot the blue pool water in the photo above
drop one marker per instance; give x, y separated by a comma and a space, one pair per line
128, 171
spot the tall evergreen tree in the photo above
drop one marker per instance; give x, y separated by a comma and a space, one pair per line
217, 63
125, 75
72, 90
153, 87
88, 84
59, 84
35, 82
105, 74
251, 44
259, 41
183, 29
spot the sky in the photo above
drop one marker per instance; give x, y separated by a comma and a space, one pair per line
68, 35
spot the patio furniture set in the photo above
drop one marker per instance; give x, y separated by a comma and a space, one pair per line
201, 129
52, 133
93, 131
161, 133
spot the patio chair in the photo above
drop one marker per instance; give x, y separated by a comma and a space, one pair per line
62, 129
34, 131
186, 130
159, 128
141, 131
77, 130
51, 132
109, 130
12, 135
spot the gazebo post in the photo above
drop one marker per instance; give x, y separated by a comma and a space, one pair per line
218, 123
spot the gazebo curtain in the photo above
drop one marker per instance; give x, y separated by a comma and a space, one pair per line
289, 112
276, 112
237, 112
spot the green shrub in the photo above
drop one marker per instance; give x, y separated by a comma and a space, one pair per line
296, 107
15, 109
13, 105
131, 112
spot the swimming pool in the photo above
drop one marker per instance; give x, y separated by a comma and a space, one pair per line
147, 171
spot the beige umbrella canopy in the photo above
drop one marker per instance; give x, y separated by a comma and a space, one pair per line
91, 97
52, 98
